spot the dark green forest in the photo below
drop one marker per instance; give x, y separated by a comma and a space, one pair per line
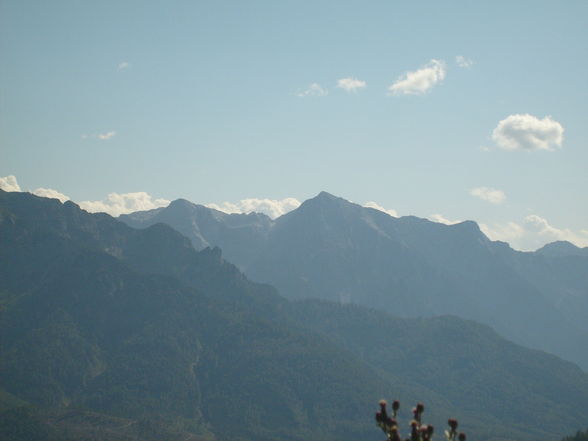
113, 333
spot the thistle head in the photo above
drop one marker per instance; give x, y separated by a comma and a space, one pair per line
394, 435
424, 430
452, 424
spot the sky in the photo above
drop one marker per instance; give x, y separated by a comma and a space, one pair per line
446, 110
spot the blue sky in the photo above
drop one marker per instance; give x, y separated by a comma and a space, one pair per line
223, 101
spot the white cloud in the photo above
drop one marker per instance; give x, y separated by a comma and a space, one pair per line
101, 136
272, 207
462, 61
8, 183
124, 65
543, 229
106, 136
420, 81
510, 232
443, 220
372, 204
50, 193
314, 89
351, 84
116, 204
527, 132
491, 195
533, 233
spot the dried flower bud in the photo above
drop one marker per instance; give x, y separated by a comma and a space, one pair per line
461, 436
430, 429
420, 407
414, 433
395, 405
383, 410
452, 423
394, 435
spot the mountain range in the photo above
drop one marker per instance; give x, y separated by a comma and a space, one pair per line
111, 332
332, 249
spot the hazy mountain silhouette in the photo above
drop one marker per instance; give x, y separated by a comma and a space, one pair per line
332, 249
92, 317
132, 334
562, 248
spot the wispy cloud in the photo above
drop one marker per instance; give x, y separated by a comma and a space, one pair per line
527, 132
271, 207
313, 89
124, 65
376, 206
464, 62
106, 136
101, 136
489, 194
420, 81
351, 84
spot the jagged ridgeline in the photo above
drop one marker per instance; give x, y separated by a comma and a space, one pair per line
113, 333
332, 249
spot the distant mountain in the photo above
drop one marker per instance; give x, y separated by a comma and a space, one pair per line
562, 248
332, 249
93, 319
241, 236
124, 334
463, 361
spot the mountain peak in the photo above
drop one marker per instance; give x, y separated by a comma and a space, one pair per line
325, 195
322, 201
327, 198
562, 248
181, 203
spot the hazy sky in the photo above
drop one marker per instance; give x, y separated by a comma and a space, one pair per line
448, 110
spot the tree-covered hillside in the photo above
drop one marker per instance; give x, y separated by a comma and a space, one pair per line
332, 249
125, 334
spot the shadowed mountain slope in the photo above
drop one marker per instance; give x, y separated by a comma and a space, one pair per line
332, 249
140, 333
89, 321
